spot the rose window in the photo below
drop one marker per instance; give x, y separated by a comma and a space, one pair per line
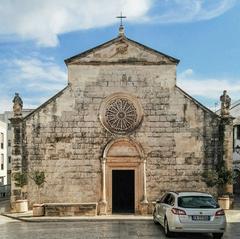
120, 113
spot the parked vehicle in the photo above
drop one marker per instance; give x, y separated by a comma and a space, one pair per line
192, 212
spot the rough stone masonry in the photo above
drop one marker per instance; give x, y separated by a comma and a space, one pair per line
120, 110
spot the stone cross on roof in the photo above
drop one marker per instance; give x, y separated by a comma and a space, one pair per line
121, 28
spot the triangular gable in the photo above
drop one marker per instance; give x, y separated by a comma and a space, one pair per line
196, 102
121, 50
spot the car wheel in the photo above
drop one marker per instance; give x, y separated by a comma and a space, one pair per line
166, 229
217, 235
154, 217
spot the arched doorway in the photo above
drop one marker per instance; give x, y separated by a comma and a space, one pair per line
124, 178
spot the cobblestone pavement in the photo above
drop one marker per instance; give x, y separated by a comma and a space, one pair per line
12, 229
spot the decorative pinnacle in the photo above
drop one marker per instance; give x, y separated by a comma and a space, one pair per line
121, 28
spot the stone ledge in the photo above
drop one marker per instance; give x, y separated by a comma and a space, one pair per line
70, 209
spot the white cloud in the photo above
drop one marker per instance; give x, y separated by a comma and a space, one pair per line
44, 20
33, 70
179, 11
6, 103
210, 88
33, 102
34, 78
38, 75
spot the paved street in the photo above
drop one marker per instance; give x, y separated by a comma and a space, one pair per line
12, 229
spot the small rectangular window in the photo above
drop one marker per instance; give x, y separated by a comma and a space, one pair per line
1, 181
9, 126
2, 140
9, 159
238, 131
9, 143
2, 161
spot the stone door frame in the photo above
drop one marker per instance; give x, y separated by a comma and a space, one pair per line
135, 162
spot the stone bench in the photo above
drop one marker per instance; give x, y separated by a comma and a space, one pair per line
70, 209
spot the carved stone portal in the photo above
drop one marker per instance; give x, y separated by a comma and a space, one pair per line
121, 113
123, 154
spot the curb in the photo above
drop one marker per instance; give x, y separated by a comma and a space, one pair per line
74, 219
232, 216
12, 217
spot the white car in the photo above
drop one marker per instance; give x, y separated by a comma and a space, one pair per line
192, 212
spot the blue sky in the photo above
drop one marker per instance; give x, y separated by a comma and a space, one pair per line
36, 37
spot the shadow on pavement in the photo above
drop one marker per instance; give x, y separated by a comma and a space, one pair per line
187, 235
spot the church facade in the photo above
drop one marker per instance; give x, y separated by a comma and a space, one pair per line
120, 134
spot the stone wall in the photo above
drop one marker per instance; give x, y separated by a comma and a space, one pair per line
65, 138
184, 141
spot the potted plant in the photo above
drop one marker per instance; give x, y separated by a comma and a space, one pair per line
220, 177
20, 178
39, 179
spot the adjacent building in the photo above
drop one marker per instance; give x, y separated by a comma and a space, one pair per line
4, 117
3, 153
235, 112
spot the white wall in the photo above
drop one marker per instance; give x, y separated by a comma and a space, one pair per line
3, 152
235, 112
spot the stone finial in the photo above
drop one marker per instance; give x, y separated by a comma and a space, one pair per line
17, 105
225, 104
121, 31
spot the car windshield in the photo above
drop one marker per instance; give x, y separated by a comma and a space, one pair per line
197, 202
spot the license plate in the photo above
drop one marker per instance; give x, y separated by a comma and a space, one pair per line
200, 218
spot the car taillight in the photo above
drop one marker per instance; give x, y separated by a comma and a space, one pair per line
220, 213
178, 211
